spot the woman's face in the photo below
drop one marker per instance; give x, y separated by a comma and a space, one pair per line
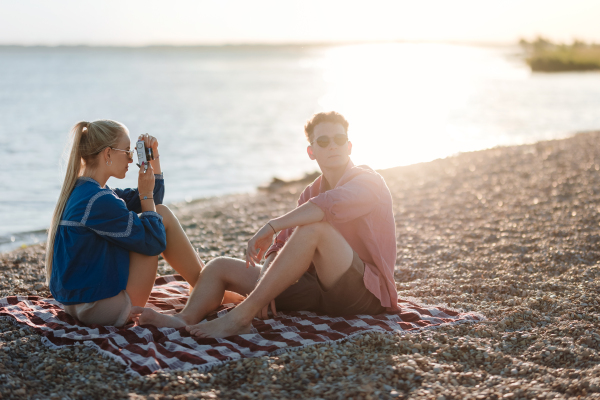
121, 159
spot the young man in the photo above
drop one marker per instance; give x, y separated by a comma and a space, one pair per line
335, 253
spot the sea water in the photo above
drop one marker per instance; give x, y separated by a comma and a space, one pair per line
230, 118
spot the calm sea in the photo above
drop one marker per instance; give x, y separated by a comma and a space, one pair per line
230, 118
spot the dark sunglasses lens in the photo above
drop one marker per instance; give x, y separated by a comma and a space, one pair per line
323, 141
340, 139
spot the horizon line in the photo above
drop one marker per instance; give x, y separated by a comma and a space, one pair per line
257, 44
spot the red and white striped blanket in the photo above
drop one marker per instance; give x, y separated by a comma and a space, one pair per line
145, 349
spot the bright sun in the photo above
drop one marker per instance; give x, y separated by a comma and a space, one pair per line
398, 97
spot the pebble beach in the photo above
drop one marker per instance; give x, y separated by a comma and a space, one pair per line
510, 232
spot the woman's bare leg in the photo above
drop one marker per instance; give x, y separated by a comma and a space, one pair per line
180, 253
142, 273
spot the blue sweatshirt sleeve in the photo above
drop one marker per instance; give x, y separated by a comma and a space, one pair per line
131, 197
108, 216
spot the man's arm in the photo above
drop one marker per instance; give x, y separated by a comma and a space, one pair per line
307, 213
284, 234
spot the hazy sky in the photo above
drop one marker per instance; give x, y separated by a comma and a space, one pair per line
142, 22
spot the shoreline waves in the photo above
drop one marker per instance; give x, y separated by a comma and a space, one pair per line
511, 232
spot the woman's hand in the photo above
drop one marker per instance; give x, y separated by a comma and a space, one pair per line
258, 245
146, 181
150, 142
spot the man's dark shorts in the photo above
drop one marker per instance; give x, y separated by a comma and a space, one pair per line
348, 296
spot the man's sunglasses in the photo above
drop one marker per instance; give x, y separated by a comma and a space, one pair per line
323, 141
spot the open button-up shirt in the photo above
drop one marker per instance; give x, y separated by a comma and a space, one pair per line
359, 207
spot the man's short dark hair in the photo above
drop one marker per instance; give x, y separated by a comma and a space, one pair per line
329, 116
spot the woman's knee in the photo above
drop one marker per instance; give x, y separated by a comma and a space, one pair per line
166, 213
163, 210
225, 268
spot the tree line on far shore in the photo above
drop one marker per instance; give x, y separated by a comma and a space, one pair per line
546, 56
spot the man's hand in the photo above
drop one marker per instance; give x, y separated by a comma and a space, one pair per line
264, 312
258, 245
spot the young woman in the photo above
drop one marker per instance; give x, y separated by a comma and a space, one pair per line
102, 256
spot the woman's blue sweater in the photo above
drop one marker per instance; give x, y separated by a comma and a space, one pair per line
98, 229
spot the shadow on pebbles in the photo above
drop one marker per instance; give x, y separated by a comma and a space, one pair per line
510, 232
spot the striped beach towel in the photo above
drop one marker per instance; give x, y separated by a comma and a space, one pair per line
146, 349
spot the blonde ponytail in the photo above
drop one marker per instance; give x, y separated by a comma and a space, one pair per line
88, 140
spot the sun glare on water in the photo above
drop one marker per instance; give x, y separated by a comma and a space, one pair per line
399, 98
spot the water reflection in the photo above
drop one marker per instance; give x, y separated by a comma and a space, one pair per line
229, 119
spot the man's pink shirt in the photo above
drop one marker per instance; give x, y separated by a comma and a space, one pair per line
359, 207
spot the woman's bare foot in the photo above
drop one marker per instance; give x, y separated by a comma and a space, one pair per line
222, 327
147, 316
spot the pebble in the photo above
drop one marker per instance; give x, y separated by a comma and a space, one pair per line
531, 265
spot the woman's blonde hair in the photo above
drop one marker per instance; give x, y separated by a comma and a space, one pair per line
88, 139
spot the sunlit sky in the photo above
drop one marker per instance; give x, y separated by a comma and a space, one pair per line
185, 22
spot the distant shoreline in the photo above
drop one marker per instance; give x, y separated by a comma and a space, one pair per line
200, 46
546, 56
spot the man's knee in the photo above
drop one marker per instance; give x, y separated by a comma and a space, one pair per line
315, 229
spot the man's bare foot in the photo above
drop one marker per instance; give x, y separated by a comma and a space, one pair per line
143, 316
222, 327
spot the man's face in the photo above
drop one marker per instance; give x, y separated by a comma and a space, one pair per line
334, 155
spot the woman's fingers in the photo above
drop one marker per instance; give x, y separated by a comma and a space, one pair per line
154, 143
149, 141
143, 139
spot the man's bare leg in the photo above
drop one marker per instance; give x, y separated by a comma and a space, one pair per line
219, 275
319, 243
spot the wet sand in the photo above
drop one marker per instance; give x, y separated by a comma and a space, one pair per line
510, 232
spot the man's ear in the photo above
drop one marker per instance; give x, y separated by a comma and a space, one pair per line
349, 147
309, 150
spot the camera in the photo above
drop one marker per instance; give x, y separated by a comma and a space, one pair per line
144, 154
